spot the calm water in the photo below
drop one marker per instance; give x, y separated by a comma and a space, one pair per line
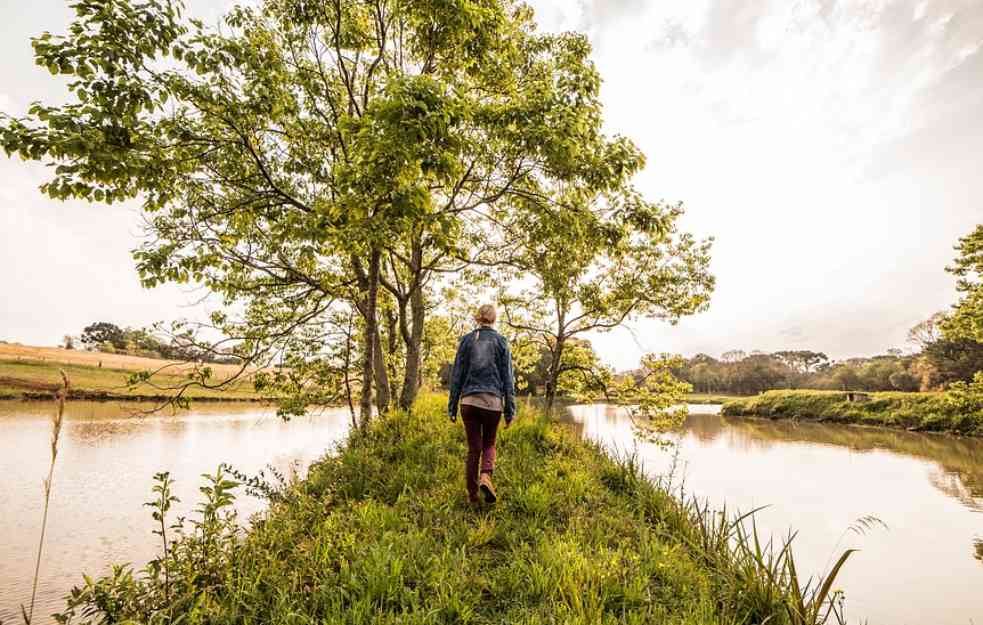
926, 568
106, 463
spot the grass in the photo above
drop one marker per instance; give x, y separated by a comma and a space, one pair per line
40, 379
708, 398
380, 532
931, 412
17, 351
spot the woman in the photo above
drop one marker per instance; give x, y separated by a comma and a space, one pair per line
482, 383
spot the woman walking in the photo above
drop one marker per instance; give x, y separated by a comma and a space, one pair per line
482, 384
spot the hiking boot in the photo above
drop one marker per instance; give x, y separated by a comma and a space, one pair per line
487, 488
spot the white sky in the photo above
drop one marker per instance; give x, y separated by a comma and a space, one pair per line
832, 148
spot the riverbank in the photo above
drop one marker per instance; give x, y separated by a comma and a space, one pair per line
707, 399
381, 532
40, 379
924, 412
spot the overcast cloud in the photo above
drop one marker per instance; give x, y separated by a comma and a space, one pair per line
832, 148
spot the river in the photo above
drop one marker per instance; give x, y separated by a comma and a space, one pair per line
925, 567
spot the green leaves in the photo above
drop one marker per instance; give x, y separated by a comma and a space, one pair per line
655, 397
966, 320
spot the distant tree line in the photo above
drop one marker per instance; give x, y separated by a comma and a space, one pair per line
937, 362
107, 337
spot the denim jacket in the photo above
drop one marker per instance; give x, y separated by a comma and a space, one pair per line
483, 365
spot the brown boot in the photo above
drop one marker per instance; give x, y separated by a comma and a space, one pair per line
487, 488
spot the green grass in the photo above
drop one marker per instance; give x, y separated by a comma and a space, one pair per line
912, 411
31, 379
708, 398
380, 532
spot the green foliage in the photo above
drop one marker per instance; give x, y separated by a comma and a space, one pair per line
598, 259
656, 398
958, 412
952, 360
300, 156
966, 319
738, 373
966, 398
381, 532
101, 332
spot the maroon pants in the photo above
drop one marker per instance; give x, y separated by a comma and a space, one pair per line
481, 426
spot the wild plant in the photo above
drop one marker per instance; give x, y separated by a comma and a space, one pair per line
161, 505
195, 555
762, 573
56, 422
274, 489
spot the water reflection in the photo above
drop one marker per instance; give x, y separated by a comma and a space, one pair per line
106, 462
818, 479
959, 473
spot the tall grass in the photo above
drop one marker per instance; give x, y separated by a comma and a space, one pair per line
381, 532
56, 421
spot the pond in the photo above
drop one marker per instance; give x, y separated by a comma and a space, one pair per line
106, 462
926, 566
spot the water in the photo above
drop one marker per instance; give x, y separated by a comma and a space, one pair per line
818, 479
104, 473
926, 567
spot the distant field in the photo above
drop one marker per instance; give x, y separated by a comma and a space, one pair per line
32, 372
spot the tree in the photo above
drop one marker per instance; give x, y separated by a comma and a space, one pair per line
103, 332
846, 378
928, 331
802, 361
614, 258
905, 381
953, 360
757, 373
966, 319
734, 355
310, 155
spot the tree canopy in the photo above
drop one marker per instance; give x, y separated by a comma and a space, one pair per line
325, 166
966, 319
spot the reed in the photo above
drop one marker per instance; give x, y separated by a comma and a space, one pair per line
56, 421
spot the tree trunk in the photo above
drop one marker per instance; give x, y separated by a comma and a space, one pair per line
370, 335
348, 366
392, 350
414, 354
553, 374
383, 394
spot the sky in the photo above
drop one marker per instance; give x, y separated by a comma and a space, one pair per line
832, 148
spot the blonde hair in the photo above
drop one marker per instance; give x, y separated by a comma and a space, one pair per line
486, 314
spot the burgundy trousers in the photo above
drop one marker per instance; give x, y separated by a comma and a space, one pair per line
480, 426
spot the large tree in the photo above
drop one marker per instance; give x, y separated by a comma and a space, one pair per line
621, 258
966, 319
307, 155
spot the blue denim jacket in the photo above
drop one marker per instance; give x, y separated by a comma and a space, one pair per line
483, 365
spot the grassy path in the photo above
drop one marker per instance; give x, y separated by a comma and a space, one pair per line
380, 532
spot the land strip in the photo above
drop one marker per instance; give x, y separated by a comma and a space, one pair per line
923, 412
